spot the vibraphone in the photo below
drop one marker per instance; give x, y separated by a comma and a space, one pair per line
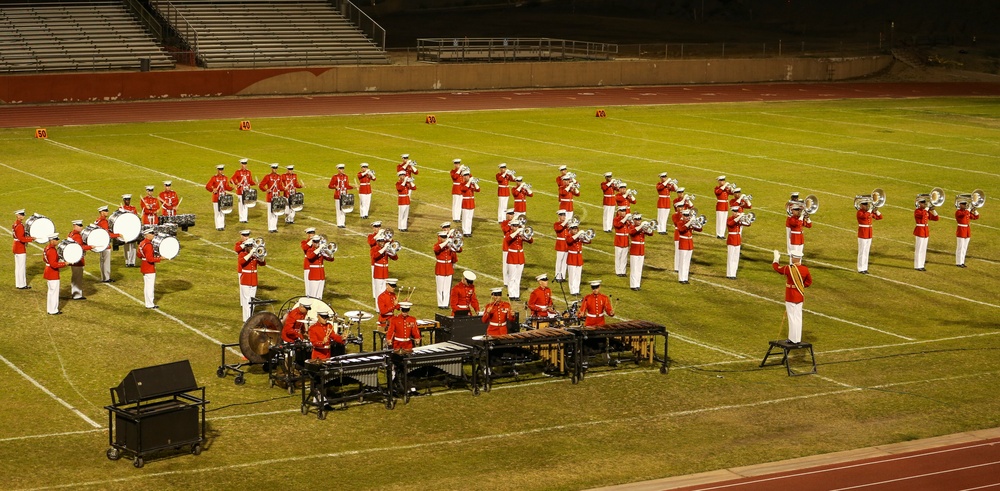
447, 358
362, 368
556, 347
637, 337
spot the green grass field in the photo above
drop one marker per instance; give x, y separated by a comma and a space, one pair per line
902, 354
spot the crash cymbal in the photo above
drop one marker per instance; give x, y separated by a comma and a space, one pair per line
358, 315
261, 329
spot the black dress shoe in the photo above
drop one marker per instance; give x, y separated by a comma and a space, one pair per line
272, 231
921, 269
341, 226
56, 313
685, 282
108, 281
467, 235
79, 298
219, 229
24, 287
635, 289
153, 307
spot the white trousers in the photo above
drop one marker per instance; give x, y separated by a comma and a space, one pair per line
864, 247
685, 265
246, 293
621, 259
378, 286
569, 216
456, 207
289, 215
920, 253
341, 216
76, 281
148, 288
635, 271
720, 223
506, 268
502, 207
573, 274
241, 209
662, 218
794, 313
52, 297
314, 288
272, 219
608, 218
798, 249
220, 217
105, 263
443, 290
404, 217
961, 247
677, 255
561, 264
732, 260
467, 221
514, 280
20, 270
366, 204
129, 249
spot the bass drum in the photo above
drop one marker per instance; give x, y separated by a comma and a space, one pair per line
96, 237
69, 251
296, 201
347, 203
39, 227
260, 332
226, 203
166, 246
278, 204
249, 197
126, 224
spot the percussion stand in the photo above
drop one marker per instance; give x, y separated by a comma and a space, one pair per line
227, 368
786, 347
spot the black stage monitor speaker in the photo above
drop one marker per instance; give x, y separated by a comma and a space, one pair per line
156, 381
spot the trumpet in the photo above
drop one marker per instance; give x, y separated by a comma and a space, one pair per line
689, 200
462, 169
574, 185
631, 193
412, 164
587, 236
650, 226
370, 173
474, 181
615, 183
409, 181
746, 219
746, 200
696, 222
729, 187
455, 243
671, 184
510, 173
526, 186
386, 234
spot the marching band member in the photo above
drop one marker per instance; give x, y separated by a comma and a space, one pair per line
244, 235
445, 256
609, 203
595, 306
559, 178
456, 190
515, 260
721, 207
105, 255
376, 228
387, 303
621, 244
463, 295
340, 183
323, 337
793, 225
865, 218
408, 166
248, 264
637, 251
243, 180
380, 256
497, 313
686, 230
365, 179
521, 193
567, 191
52, 266
623, 198
734, 241
316, 281
676, 219
76, 279
963, 215
663, 203
404, 186
797, 279
469, 189
561, 229
148, 267
504, 248
540, 300
20, 251
292, 330
403, 333
169, 200
291, 184
150, 207
271, 184
129, 247
574, 259
503, 190
305, 245
218, 185
736, 199
682, 199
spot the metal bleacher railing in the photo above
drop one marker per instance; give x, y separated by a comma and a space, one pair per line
176, 20
360, 19
511, 49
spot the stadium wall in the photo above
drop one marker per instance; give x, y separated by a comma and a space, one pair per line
117, 86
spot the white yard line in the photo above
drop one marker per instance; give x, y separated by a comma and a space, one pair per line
49, 392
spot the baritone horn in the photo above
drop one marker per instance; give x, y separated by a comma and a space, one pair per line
259, 249
393, 248
936, 198
746, 219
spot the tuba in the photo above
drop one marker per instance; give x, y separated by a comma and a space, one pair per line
810, 205
976, 199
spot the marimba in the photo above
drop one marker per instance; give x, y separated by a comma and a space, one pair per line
361, 368
557, 347
448, 359
637, 337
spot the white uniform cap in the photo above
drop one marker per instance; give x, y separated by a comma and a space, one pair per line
680, 189
401, 173
608, 174
405, 305
167, 183
19, 212
738, 190
502, 165
469, 275
686, 212
245, 231
126, 196
248, 243
315, 238
364, 164
456, 161
509, 211
150, 188
445, 224
519, 178
442, 234
77, 222
466, 173
311, 230
622, 208
54, 237
566, 178
148, 229
795, 255
392, 281
496, 291
103, 208
306, 302
561, 212
637, 216
562, 167
377, 224
243, 161
663, 174
340, 166
292, 167
721, 178
595, 283
220, 167
622, 185
542, 277
274, 165
405, 156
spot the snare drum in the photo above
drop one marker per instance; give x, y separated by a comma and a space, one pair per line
296, 201
249, 197
96, 237
226, 203
166, 246
69, 251
278, 204
39, 227
347, 203
126, 224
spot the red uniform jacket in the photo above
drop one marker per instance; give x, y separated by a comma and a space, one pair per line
148, 257
469, 191
321, 340
734, 201
505, 229
566, 197
380, 262
103, 223
79, 240
594, 307
403, 190
150, 205
456, 182
292, 330
963, 217
663, 195
721, 199
408, 169
386, 305
170, 202
515, 247
496, 316
637, 241
574, 253
445, 259
734, 237
242, 179
340, 183
271, 184
248, 268
680, 198
365, 182
794, 225
624, 200
608, 192
289, 183
21, 238
559, 180
463, 297
371, 239
562, 231
686, 236
317, 271
52, 263
402, 331
503, 184
216, 185
865, 223
520, 195
677, 218
792, 292
540, 302
922, 216
621, 231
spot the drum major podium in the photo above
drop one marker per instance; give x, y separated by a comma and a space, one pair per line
786, 346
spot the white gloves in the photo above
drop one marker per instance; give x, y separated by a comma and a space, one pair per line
777, 256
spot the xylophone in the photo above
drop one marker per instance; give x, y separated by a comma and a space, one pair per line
448, 358
362, 368
557, 347
637, 337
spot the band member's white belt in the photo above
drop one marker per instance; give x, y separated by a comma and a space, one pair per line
443, 261
380, 265
865, 226
795, 232
315, 265
722, 201
515, 250
403, 195
639, 242
921, 224
665, 196
564, 200
963, 225
461, 307
621, 235
498, 324
593, 315
248, 271
401, 340
734, 233
564, 238
573, 252
520, 200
